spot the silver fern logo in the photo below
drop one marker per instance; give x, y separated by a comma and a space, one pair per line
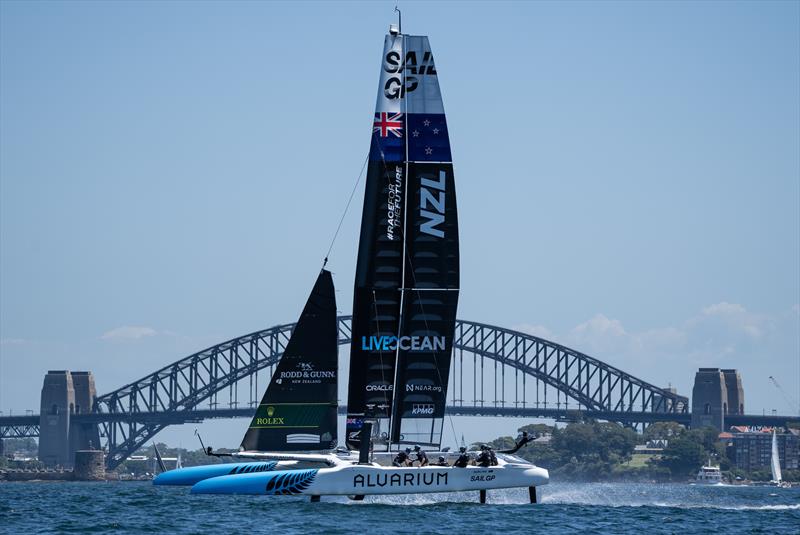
290, 482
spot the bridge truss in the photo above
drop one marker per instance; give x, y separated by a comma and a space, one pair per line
527, 376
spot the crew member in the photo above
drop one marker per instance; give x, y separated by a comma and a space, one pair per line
441, 462
492, 456
484, 458
421, 456
401, 459
463, 459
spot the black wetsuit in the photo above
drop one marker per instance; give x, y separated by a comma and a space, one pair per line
493, 458
462, 461
400, 459
484, 459
422, 457
440, 462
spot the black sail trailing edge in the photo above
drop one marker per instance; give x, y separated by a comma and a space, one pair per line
298, 410
407, 277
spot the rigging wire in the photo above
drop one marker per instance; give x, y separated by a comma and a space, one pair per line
346, 208
395, 394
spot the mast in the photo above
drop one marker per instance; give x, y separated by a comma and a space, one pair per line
394, 422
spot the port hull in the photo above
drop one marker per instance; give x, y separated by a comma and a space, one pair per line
193, 474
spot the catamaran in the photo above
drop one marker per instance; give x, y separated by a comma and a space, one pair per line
404, 312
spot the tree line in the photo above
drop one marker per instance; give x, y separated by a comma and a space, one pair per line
597, 451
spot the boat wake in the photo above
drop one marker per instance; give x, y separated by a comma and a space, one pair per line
580, 495
717, 497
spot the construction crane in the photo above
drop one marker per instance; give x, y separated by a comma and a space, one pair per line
789, 400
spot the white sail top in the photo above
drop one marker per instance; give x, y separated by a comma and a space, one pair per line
408, 75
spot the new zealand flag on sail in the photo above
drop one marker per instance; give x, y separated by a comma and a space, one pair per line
387, 137
427, 138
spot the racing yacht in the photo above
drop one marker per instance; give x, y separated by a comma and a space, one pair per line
404, 311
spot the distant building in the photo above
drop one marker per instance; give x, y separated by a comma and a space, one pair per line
751, 448
543, 439
652, 447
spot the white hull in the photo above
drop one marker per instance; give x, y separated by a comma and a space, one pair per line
349, 480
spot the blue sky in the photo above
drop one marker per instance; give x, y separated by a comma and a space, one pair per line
628, 174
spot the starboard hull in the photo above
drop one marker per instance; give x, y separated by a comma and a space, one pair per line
351, 480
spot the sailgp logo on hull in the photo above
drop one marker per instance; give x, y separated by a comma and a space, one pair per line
410, 343
431, 205
420, 479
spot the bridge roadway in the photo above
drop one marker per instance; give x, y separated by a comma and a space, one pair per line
28, 425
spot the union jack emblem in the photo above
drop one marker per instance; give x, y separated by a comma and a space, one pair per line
388, 123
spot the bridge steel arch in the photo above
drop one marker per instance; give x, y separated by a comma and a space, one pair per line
593, 384
133, 414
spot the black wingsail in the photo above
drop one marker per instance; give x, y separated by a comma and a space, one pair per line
407, 279
376, 297
298, 411
431, 275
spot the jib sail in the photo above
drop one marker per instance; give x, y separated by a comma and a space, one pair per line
407, 277
298, 411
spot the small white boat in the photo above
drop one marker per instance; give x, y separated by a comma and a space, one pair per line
709, 475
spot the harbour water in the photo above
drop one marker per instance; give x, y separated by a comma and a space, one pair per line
564, 508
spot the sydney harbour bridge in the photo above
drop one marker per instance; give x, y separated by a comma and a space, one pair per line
494, 372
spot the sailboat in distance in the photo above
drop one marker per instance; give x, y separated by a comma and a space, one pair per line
775, 462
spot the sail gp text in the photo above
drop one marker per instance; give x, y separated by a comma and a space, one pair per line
406, 72
406, 343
